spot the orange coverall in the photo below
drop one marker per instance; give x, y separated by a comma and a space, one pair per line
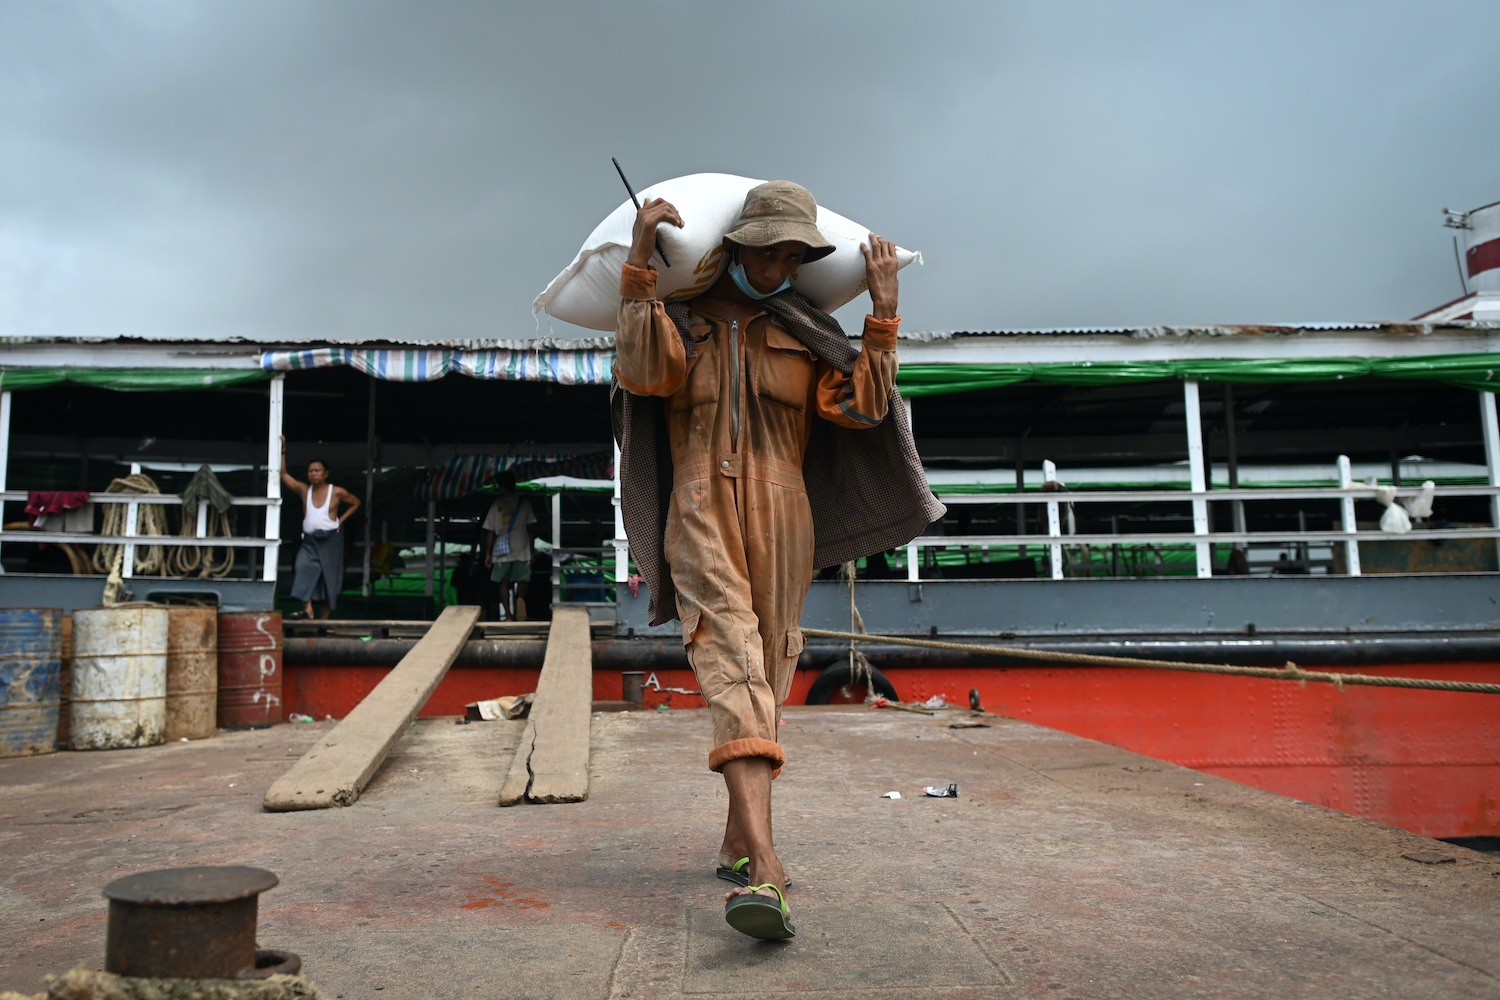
739, 534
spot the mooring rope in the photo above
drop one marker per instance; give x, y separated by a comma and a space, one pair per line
203, 488
151, 519
1291, 672
183, 559
860, 670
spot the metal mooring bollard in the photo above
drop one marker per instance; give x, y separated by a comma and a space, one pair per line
190, 923
633, 685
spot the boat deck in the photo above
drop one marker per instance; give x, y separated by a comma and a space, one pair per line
1066, 868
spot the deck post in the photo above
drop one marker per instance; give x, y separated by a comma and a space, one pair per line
132, 521
1054, 527
622, 544
132, 518
1197, 473
369, 498
431, 539
1346, 505
442, 576
1020, 507
556, 547
1491, 430
1232, 459
1021, 488
5, 452
274, 461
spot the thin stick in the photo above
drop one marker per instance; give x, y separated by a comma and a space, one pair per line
637, 202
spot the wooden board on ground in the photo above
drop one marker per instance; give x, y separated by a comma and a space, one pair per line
556, 769
518, 779
336, 770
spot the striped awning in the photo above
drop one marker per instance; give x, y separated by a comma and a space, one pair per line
466, 474
586, 367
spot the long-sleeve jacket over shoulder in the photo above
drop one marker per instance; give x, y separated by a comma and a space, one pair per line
766, 383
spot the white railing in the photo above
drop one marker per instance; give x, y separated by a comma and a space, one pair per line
132, 537
1202, 536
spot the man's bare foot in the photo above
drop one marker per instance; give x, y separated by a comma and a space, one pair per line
769, 870
733, 846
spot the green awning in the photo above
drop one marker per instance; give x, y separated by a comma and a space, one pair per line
129, 379
1468, 371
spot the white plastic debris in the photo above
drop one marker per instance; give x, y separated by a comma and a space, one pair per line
299, 717
891, 795
936, 701
1395, 520
1420, 506
949, 791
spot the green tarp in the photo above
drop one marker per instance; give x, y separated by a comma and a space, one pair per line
129, 379
1468, 371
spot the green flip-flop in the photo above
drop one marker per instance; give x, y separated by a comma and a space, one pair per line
758, 916
737, 873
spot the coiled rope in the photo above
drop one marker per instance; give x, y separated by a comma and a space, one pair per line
204, 487
151, 519
183, 559
1291, 672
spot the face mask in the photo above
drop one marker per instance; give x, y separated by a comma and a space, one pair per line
737, 273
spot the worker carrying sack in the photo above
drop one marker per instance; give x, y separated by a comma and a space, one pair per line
587, 292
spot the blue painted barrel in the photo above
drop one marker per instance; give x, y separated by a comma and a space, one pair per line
30, 685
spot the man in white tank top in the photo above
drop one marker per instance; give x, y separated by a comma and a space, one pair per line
320, 561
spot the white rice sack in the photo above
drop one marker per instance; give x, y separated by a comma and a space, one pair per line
587, 292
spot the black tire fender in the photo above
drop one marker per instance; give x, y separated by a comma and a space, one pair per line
837, 675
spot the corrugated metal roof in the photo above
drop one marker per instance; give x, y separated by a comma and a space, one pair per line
1216, 330
547, 343
554, 342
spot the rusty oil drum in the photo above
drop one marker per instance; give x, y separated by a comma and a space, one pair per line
119, 678
249, 668
30, 687
192, 673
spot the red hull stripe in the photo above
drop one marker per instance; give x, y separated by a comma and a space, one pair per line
1484, 257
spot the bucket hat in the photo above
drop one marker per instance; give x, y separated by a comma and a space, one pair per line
777, 211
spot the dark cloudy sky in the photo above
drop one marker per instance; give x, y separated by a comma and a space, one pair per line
275, 169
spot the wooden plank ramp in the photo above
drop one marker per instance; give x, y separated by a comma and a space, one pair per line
338, 767
552, 760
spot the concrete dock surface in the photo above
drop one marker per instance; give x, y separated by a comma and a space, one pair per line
1066, 868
